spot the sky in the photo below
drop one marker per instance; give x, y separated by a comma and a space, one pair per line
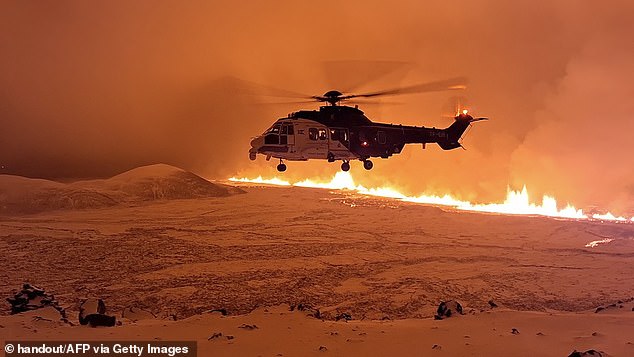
94, 88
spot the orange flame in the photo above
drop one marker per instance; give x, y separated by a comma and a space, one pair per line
516, 202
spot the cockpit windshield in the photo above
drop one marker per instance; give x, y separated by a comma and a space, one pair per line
279, 133
275, 129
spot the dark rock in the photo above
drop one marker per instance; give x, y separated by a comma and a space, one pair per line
492, 304
323, 348
230, 337
448, 309
515, 331
343, 316
32, 291
588, 353
305, 307
300, 307
95, 320
221, 311
248, 327
610, 307
539, 334
436, 347
31, 298
92, 312
214, 336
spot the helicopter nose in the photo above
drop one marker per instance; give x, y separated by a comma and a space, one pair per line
256, 142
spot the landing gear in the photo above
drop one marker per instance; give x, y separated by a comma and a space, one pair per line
367, 164
281, 167
345, 166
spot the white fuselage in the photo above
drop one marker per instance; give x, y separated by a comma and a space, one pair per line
302, 139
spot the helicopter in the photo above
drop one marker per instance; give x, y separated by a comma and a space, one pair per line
341, 132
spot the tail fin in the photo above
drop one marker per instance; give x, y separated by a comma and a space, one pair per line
456, 130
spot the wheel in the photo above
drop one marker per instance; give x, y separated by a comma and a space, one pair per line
281, 167
345, 166
367, 164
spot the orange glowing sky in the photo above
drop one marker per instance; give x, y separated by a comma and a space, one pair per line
92, 88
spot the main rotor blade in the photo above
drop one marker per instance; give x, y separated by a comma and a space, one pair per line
259, 89
349, 75
373, 102
289, 102
448, 84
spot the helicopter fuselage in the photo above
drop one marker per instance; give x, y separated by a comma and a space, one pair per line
345, 133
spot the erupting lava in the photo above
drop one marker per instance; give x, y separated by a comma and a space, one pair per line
517, 202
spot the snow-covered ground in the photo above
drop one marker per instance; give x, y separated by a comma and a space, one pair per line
385, 263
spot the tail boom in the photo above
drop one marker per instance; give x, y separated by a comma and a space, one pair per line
455, 131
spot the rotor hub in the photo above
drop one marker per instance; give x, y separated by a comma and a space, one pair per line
332, 97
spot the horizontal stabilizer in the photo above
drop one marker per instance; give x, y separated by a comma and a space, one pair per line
456, 130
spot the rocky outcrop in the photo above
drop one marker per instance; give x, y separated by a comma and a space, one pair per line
448, 309
31, 297
92, 312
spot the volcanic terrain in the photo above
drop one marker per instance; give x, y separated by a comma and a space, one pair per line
169, 243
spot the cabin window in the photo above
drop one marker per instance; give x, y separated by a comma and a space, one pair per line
284, 129
380, 136
323, 135
313, 133
339, 135
290, 129
273, 139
